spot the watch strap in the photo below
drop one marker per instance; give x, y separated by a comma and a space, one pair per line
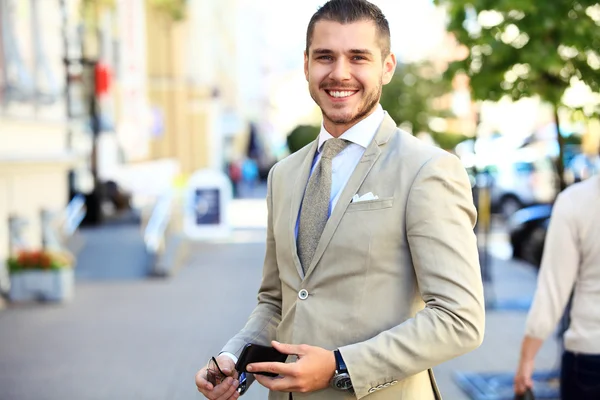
243, 383
340, 365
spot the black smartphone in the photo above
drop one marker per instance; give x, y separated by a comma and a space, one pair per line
253, 353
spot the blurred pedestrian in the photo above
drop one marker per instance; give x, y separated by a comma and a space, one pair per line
570, 268
249, 176
371, 274
235, 175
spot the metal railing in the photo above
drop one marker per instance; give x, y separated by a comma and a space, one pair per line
58, 227
73, 215
158, 223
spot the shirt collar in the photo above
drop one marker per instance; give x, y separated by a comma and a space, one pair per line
361, 133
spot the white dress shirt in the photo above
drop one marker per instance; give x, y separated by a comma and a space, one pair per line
571, 264
343, 165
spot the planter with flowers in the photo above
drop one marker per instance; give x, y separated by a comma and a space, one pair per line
42, 275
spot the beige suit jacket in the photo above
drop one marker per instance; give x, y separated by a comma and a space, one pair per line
395, 282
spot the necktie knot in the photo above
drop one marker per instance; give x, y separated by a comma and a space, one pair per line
333, 147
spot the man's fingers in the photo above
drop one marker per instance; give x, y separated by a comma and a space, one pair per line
219, 390
522, 384
295, 349
519, 389
201, 381
230, 392
284, 384
265, 381
272, 367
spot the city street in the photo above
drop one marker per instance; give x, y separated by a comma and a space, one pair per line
137, 137
146, 338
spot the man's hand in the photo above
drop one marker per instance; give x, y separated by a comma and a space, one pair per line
529, 349
523, 379
313, 370
225, 390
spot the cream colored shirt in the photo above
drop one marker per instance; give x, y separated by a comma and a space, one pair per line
571, 263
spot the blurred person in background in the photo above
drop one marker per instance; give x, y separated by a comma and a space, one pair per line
234, 171
371, 274
249, 176
570, 267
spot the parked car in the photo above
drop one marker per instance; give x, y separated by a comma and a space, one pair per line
527, 230
581, 167
522, 179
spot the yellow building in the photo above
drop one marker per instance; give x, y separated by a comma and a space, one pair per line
34, 156
191, 81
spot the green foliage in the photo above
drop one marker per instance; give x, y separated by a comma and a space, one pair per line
522, 48
408, 97
447, 140
300, 136
90, 11
174, 8
573, 140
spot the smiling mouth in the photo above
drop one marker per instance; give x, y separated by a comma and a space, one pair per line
340, 94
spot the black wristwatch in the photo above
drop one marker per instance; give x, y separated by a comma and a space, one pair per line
341, 378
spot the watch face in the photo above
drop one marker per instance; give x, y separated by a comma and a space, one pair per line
342, 382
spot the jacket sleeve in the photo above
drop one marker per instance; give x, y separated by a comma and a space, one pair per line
263, 321
440, 216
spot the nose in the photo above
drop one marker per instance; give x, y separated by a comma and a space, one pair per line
341, 70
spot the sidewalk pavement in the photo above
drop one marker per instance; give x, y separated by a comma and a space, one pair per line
512, 283
146, 338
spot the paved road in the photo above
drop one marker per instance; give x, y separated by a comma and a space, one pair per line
139, 338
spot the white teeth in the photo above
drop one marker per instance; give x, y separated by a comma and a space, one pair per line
341, 94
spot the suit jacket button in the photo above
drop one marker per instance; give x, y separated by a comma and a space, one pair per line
303, 294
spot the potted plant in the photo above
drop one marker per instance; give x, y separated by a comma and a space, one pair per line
45, 275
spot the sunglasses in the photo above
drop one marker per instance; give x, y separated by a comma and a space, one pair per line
215, 376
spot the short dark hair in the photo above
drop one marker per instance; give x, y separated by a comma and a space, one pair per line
348, 11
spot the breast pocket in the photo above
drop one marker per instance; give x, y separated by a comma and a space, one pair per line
370, 205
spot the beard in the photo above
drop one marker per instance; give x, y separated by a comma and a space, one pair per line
367, 104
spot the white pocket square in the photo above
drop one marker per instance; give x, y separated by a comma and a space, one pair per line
365, 197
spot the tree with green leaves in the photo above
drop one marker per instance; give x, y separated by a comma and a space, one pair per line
523, 48
408, 97
302, 135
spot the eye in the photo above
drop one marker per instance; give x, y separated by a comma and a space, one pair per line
325, 58
359, 58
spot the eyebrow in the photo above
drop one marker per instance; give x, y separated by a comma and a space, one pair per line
361, 51
351, 51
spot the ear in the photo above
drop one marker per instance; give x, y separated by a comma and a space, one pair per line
389, 67
306, 66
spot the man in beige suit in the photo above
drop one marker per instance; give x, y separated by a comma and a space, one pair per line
371, 274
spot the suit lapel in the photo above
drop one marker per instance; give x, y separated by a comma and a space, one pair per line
297, 195
372, 153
